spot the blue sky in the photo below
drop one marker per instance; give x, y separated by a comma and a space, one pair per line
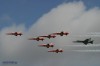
29, 11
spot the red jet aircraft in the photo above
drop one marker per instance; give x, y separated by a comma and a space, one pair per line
57, 50
61, 33
47, 45
49, 36
38, 38
15, 34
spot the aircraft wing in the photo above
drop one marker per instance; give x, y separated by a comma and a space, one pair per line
89, 39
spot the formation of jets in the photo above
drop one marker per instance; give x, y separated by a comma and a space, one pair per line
53, 35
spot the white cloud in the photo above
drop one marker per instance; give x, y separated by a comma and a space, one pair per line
71, 17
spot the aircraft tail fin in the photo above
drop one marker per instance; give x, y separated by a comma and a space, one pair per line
52, 45
91, 42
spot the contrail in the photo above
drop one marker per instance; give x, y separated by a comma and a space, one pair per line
94, 33
91, 34
86, 36
91, 45
86, 50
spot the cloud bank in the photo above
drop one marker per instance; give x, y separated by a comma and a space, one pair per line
71, 17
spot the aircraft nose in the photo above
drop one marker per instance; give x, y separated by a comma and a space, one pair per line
67, 33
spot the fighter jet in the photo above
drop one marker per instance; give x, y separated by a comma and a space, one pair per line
61, 33
86, 41
49, 36
38, 38
14, 33
56, 50
47, 45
